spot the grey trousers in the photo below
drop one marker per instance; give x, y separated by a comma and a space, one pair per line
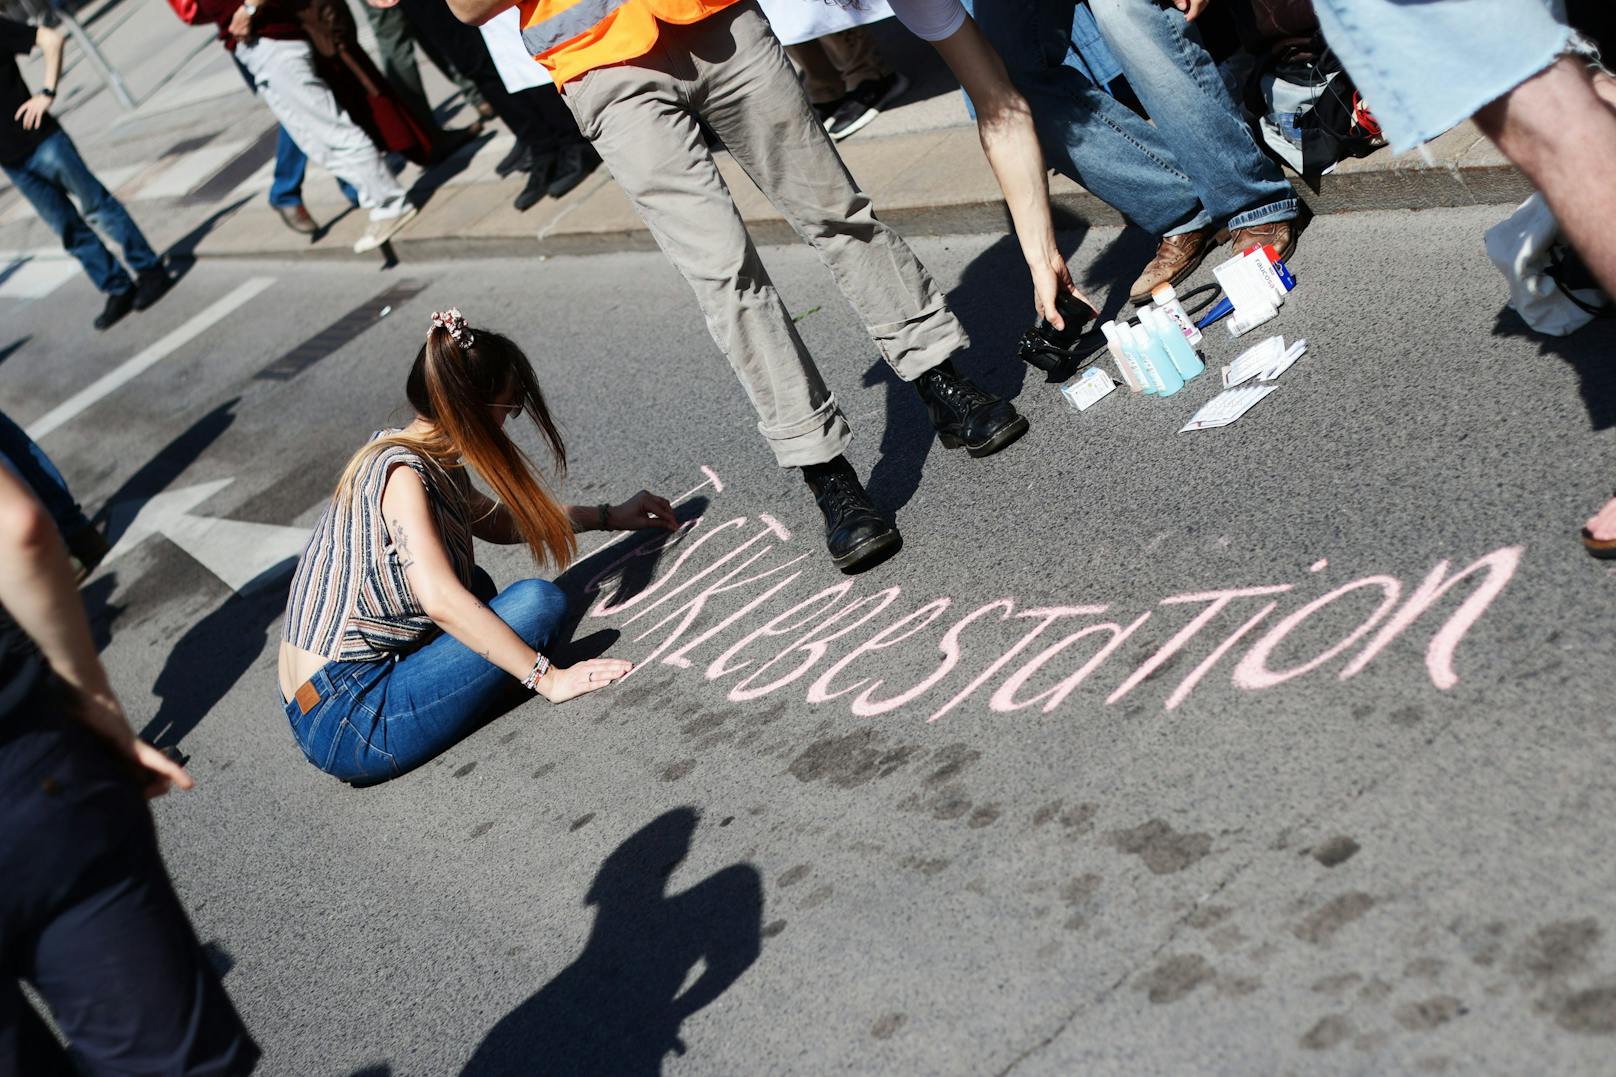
730, 71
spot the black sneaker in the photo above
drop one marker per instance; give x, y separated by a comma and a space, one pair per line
152, 286
965, 414
826, 109
578, 160
864, 103
117, 306
542, 167
856, 534
519, 159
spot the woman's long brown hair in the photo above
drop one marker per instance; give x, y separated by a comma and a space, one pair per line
452, 387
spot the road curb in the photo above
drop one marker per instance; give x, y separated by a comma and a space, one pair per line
1347, 191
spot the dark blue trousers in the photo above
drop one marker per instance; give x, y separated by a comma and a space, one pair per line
89, 918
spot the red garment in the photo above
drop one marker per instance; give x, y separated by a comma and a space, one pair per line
274, 20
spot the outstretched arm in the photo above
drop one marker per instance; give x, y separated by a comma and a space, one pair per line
1005, 125
37, 590
492, 522
460, 613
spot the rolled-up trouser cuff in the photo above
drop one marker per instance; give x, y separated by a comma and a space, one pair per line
1283, 210
814, 439
915, 345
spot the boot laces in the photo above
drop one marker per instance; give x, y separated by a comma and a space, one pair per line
960, 395
840, 495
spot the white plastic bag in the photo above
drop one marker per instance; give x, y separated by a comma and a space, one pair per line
1522, 246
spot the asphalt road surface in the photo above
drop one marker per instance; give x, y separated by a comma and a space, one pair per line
1280, 748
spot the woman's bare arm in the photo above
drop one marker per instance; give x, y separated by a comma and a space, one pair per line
453, 608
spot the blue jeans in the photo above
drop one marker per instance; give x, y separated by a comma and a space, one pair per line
291, 164
55, 170
1174, 77
29, 463
375, 720
1087, 135
1425, 67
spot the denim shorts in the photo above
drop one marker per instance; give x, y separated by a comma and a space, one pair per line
1424, 66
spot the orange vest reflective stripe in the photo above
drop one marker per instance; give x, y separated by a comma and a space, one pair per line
571, 37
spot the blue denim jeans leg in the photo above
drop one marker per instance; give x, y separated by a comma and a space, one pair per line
1087, 135
29, 463
1169, 69
291, 165
376, 720
53, 172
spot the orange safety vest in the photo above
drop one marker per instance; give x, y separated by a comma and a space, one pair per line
570, 37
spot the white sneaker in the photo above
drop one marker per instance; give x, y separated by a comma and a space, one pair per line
380, 231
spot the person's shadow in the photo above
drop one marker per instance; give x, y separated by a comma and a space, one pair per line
213, 655
1587, 351
616, 1010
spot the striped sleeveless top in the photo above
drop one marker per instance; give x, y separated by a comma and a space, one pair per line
350, 600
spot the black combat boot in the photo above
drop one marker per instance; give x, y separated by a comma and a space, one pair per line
967, 415
856, 534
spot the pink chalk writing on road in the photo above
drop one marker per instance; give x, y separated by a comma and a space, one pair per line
730, 574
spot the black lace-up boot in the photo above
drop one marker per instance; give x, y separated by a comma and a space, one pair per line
856, 534
967, 415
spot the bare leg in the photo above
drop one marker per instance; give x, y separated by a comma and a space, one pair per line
1559, 127
1559, 131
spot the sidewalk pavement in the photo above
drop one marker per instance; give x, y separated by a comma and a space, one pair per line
194, 161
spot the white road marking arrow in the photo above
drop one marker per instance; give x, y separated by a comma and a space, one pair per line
238, 552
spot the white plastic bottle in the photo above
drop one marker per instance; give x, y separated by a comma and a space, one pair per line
1166, 297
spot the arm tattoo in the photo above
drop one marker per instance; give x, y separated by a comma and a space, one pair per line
402, 542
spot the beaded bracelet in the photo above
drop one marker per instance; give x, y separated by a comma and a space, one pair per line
541, 666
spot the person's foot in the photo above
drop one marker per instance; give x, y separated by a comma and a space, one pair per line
1280, 235
538, 182
578, 160
383, 229
1599, 533
826, 109
151, 286
297, 219
1176, 258
856, 534
864, 103
117, 305
519, 159
965, 414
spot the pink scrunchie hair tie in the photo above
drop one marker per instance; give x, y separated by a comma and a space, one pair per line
455, 323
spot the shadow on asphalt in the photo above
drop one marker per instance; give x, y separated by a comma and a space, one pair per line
1587, 351
181, 254
16, 345
213, 655
620, 570
616, 1010
158, 473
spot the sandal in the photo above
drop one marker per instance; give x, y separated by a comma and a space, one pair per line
1604, 549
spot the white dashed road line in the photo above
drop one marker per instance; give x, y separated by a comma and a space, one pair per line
150, 357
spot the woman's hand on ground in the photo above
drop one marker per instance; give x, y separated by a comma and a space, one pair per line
641, 511
560, 685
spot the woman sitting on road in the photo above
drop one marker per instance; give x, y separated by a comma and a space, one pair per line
395, 643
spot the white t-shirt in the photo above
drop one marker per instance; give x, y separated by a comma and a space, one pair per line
930, 20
